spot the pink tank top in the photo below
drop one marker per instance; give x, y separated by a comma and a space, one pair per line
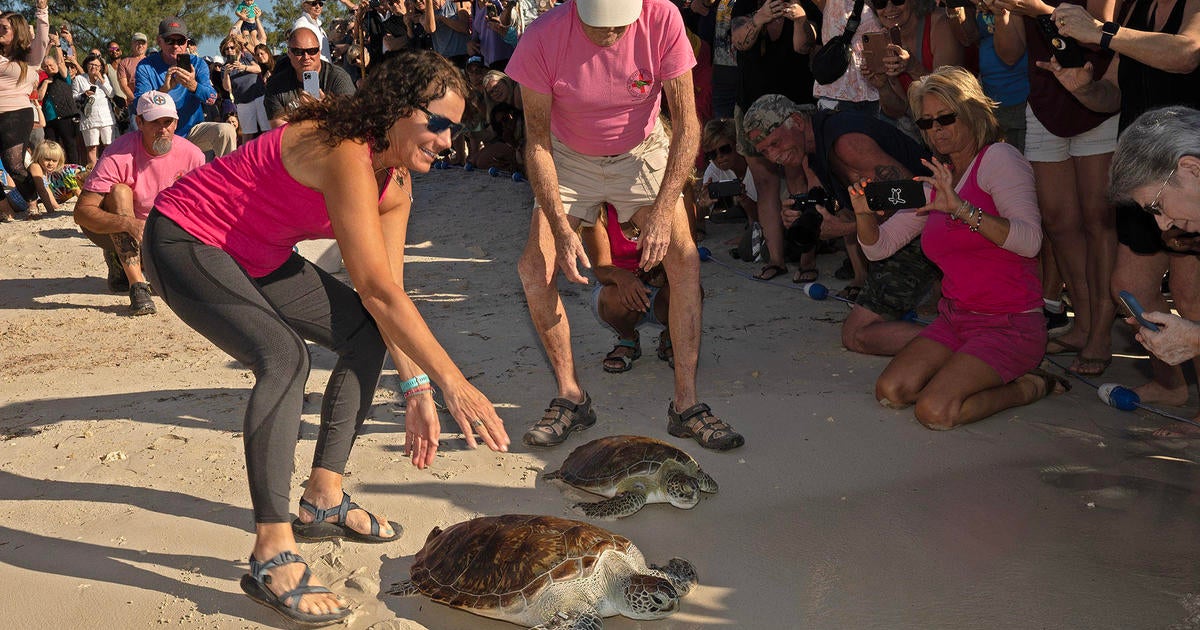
248, 205
979, 275
625, 254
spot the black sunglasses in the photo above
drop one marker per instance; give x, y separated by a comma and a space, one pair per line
438, 123
945, 120
316, 3
724, 149
175, 41
880, 4
300, 52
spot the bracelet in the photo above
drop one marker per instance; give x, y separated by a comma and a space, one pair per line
417, 391
413, 383
978, 220
964, 208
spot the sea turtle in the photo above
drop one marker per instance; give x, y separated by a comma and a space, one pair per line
632, 471
544, 572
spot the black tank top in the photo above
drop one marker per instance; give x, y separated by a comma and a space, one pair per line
1144, 88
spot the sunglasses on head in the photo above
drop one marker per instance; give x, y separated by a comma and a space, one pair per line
724, 149
175, 41
438, 123
945, 120
300, 52
880, 4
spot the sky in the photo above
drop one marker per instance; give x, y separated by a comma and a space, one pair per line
208, 45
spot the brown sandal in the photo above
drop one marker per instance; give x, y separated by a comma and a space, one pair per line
699, 423
621, 357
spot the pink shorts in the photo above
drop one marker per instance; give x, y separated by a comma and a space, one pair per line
1010, 344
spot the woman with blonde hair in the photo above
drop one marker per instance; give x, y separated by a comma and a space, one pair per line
20, 58
982, 227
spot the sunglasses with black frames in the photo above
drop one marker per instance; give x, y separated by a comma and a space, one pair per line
724, 149
300, 52
881, 4
438, 123
945, 120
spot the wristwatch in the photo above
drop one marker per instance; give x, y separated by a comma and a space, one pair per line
1107, 30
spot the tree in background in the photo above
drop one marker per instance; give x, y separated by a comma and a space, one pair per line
94, 22
280, 18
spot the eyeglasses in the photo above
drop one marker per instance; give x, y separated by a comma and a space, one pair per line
438, 123
114, 49
316, 3
724, 149
301, 52
175, 41
880, 4
945, 120
1154, 207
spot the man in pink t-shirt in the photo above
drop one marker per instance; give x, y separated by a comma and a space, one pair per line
591, 74
120, 191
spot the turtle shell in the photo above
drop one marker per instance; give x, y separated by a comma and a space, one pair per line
496, 562
605, 461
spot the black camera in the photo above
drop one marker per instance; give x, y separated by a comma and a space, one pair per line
726, 188
805, 232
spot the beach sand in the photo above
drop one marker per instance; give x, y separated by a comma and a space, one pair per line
123, 501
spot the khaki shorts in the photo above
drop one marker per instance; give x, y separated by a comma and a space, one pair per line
628, 181
1041, 145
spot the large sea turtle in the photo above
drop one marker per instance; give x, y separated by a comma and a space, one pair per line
544, 572
632, 471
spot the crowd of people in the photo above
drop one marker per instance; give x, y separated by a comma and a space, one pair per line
1053, 145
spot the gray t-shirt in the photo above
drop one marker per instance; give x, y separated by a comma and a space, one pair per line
245, 86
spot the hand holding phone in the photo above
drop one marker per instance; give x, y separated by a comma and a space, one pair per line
1135, 309
875, 48
184, 62
312, 83
896, 194
1066, 51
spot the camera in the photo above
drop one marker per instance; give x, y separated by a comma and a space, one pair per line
805, 232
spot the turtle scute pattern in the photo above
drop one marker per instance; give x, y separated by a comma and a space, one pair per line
606, 460
457, 566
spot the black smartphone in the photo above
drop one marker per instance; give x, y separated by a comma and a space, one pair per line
727, 188
184, 61
896, 194
1067, 51
1135, 309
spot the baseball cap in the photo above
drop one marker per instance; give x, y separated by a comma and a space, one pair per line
608, 13
769, 112
475, 59
140, 37
172, 26
154, 105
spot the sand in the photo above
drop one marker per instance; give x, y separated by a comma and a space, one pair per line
123, 501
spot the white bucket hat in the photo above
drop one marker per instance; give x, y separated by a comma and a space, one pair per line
608, 13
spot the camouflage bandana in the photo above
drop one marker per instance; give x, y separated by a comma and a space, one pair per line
768, 113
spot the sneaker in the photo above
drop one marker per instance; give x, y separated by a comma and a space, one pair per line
562, 418
117, 281
699, 423
140, 302
1056, 323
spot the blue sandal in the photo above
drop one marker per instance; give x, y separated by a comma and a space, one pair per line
320, 529
256, 586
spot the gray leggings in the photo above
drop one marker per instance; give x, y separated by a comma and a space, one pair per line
262, 323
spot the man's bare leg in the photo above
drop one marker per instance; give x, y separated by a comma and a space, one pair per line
119, 201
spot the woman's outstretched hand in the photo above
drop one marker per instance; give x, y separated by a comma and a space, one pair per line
947, 199
476, 415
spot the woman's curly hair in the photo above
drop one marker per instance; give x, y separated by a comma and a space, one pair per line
393, 89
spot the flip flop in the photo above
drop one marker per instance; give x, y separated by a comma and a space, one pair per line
806, 275
255, 585
769, 272
320, 529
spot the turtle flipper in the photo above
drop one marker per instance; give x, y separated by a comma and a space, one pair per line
405, 588
682, 574
620, 506
574, 620
554, 474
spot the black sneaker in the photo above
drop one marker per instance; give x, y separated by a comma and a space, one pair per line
562, 418
1056, 323
117, 281
140, 302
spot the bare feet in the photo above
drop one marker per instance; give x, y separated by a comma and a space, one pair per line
1177, 430
1154, 393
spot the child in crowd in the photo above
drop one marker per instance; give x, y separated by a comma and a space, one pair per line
249, 23
57, 182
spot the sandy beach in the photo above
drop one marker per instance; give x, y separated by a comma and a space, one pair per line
123, 500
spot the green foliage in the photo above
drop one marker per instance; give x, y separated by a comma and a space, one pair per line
279, 21
95, 22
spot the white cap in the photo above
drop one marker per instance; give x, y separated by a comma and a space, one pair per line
608, 13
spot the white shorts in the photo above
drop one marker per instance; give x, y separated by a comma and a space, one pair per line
628, 181
252, 117
1043, 146
97, 136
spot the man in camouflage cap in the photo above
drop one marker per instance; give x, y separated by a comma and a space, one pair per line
837, 148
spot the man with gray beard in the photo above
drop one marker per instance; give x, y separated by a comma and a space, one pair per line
120, 191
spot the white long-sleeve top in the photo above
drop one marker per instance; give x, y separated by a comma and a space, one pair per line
98, 113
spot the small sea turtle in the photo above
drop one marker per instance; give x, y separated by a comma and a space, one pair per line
544, 572
632, 471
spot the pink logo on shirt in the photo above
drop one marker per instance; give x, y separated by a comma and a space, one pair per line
640, 83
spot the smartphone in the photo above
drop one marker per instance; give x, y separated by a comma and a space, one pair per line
727, 188
1067, 51
184, 61
874, 48
312, 83
1135, 309
896, 194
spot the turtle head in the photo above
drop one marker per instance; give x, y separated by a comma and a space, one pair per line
682, 491
649, 597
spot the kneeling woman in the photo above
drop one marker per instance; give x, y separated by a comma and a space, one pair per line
219, 250
983, 229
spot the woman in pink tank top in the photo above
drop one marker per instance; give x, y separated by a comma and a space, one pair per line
982, 228
218, 249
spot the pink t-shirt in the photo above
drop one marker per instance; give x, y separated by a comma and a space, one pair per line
979, 275
127, 162
606, 99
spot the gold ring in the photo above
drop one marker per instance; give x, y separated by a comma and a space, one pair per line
477, 423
